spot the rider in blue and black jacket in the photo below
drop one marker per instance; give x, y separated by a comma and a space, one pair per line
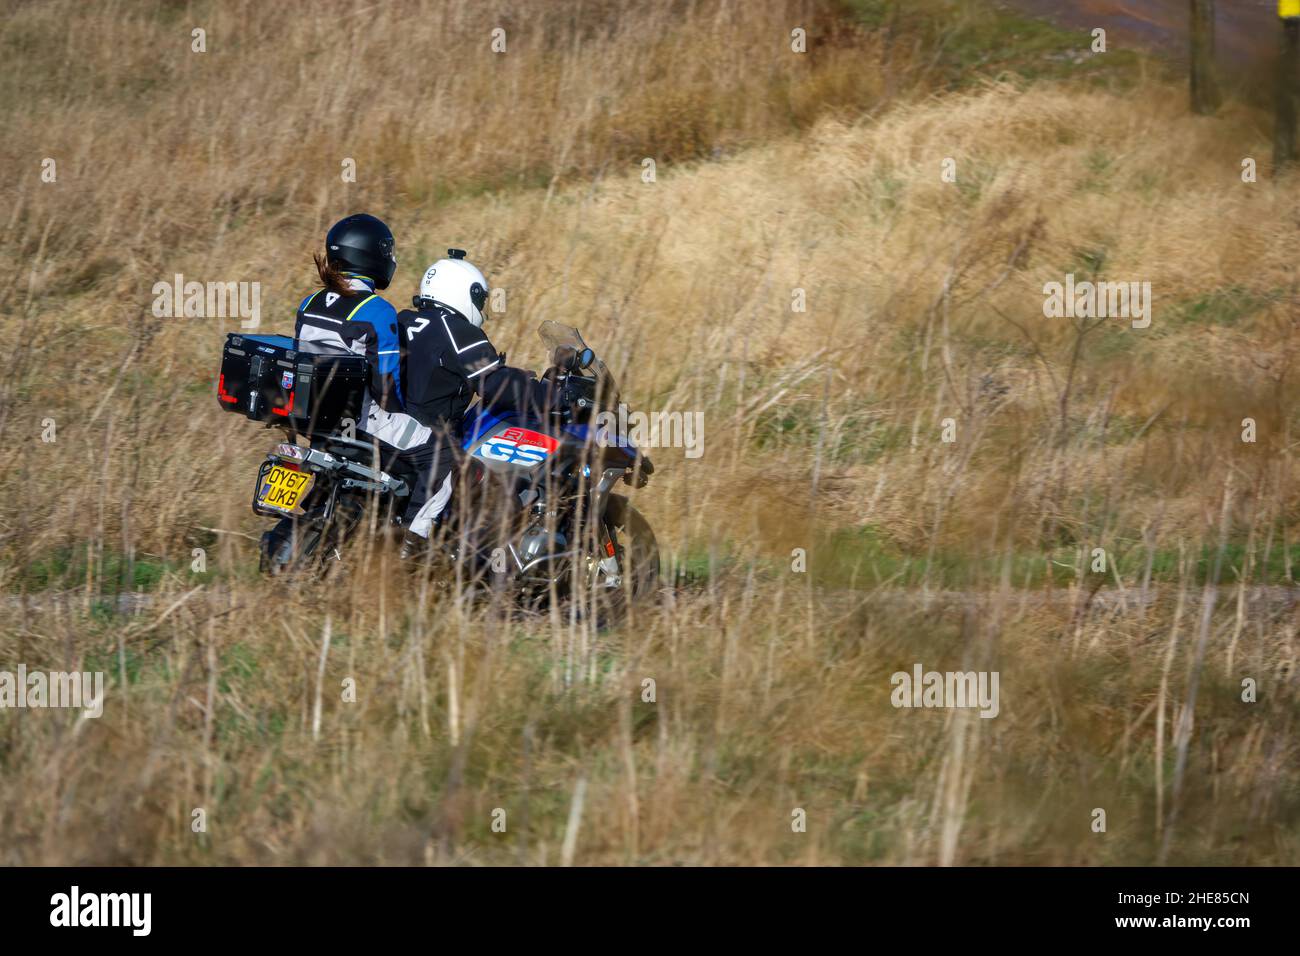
347, 314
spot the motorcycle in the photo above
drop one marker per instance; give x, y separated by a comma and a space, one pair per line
535, 515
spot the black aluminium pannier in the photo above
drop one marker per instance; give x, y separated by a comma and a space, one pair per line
265, 378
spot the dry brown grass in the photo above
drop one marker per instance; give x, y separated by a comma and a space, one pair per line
775, 172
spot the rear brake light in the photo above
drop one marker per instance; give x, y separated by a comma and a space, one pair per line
287, 409
221, 391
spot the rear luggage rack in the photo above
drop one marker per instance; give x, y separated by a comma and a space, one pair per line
266, 379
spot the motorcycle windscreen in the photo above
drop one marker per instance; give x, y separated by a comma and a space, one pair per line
555, 335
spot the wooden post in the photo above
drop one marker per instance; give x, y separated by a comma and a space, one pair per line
1284, 129
1205, 91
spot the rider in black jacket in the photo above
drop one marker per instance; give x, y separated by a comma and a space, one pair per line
446, 361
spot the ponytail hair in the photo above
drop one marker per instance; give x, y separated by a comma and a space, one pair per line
331, 277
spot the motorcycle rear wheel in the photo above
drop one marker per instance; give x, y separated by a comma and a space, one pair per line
307, 547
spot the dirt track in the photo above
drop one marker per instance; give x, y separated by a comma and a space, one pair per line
1246, 30
1270, 599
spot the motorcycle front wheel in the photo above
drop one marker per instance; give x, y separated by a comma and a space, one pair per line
637, 577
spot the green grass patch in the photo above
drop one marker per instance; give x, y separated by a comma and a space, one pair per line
1223, 307
114, 572
971, 43
863, 558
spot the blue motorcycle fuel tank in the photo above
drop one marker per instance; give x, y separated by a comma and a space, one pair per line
514, 444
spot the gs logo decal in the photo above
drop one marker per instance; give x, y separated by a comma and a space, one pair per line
518, 446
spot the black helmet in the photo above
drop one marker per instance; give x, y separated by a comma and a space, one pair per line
364, 245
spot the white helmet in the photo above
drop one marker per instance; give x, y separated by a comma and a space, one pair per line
457, 284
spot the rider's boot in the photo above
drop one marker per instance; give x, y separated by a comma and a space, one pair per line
415, 549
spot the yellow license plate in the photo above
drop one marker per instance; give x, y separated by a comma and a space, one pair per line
283, 488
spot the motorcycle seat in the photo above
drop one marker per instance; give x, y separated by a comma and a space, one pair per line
361, 452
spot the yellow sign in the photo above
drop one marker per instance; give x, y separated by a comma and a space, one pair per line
1288, 8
